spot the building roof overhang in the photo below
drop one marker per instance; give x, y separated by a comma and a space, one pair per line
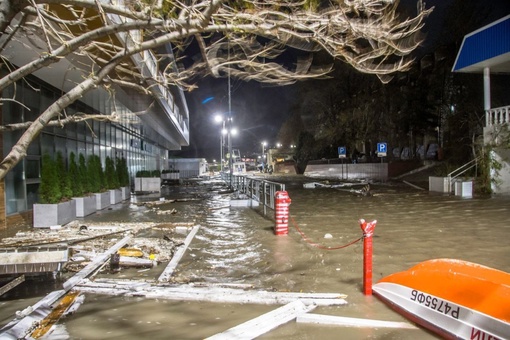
487, 47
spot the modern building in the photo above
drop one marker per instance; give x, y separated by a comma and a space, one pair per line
487, 51
148, 125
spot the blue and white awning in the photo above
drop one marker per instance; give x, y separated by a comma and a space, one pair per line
488, 46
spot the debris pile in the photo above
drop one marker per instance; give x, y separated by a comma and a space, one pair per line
86, 241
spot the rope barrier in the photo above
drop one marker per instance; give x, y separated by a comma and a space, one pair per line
318, 245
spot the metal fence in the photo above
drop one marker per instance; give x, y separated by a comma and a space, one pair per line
259, 189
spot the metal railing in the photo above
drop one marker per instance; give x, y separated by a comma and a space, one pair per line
259, 189
461, 170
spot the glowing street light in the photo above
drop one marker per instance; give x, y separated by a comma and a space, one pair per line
219, 119
226, 130
263, 148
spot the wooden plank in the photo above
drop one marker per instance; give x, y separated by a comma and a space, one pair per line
264, 323
97, 262
45, 325
210, 294
32, 315
7, 287
351, 322
170, 268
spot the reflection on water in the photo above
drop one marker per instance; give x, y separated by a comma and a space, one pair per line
237, 245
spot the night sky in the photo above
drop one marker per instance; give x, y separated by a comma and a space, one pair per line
258, 111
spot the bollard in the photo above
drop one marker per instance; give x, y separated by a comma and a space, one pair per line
368, 232
281, 211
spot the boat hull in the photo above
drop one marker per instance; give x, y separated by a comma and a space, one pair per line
455, 299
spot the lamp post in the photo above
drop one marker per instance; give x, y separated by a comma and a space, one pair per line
263, 149
219, 119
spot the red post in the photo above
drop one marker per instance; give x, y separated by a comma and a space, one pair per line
281, 211
368, 232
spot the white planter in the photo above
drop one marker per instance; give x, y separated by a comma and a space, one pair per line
147, 184
439, 184
126, 193
85, 205
102, 200
170, 176
115, 196
47, 215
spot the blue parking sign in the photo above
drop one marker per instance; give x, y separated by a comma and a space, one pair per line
342, 152
382, 149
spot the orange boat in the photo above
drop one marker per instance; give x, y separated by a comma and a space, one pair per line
453, 298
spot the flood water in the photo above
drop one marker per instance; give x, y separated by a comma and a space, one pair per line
238, 245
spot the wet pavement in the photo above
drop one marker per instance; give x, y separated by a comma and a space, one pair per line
238, 245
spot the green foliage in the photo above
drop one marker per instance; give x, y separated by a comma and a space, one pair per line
171, 171
148, 173
75, 176
122, 171
49, 190
95, 174
83, 174
63, 176
112, 180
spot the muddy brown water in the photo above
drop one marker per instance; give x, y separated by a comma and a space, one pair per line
237, 245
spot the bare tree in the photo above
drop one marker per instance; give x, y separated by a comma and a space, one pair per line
247, 40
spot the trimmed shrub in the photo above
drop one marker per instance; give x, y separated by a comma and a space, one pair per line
112, 180
75, 175
94, 173
63, 176
84, 179
122, 172
49, 190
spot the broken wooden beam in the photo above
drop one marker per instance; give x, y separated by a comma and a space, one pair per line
10, 285
170, 268
264, 323
210, 294
351, 322
49, 321
97, 262
32, 315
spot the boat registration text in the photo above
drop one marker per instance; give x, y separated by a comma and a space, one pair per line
435, 304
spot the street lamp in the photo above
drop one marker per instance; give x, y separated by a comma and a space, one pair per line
263, 148
226, 130
219, 119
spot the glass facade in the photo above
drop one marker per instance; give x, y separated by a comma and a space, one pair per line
101, 138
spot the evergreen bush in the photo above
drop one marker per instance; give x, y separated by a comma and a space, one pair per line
75, 175
148, 173
94, 173
112, 180
84, 177
49, 190
122, 172
143, 173
63, 176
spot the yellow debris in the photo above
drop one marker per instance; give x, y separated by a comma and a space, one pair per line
130, 252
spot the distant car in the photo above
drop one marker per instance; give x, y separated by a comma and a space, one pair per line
432, 151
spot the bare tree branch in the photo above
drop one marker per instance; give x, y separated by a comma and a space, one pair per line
248, 40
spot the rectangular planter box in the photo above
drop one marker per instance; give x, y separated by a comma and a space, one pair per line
439, 184
102, 200
147, 184
126, 193
170, 176
47, 215
115, 196
85, 205
464, 189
